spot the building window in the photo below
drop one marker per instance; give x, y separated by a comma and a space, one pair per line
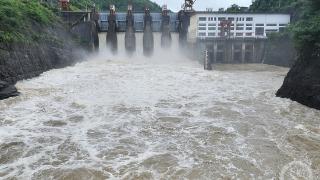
202, 24
211, 34
283, 24
268, 31
202, 28
239, 34
259, 24
249, 28
249, 19
271, 24
212, 24
202, 19
259, 31
282, 29
215, 19
221, 18
240, 24
248, 24
239, 28
248, 34
202, 34
231, 18
210, 19
211, 28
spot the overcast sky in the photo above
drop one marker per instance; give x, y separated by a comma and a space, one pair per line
175, 5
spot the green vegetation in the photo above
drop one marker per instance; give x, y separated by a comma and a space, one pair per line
17, 17
294, 7
305, 27
236, 9
121, 5
307, 30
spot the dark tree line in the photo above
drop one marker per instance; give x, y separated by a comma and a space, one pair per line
305, 27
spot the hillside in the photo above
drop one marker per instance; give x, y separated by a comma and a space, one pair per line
121, 5
16, 18
32, 40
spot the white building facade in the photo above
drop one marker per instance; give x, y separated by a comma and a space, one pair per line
205, 25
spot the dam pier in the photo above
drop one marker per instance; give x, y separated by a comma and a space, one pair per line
130, 36
227, 37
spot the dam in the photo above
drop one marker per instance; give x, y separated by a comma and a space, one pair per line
140, 106
228, 37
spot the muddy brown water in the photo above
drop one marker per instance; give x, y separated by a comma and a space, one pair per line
158, 118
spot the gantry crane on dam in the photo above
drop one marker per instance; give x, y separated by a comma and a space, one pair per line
147, 23
87, 24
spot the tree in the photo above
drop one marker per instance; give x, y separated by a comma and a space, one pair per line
234, 9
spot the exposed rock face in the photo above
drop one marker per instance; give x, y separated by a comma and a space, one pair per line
7, 90
302, 83
54, 48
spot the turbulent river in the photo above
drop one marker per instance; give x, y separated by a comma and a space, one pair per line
157, 118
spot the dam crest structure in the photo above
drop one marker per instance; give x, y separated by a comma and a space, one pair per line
218, 37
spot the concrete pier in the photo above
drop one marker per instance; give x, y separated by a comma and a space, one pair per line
184, 23
148, 40
166, 38
112, 40
130, 37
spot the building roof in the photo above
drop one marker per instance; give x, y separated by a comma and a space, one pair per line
253, 13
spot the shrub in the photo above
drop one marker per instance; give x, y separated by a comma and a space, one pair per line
17, 16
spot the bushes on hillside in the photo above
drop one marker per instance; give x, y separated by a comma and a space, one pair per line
16, 16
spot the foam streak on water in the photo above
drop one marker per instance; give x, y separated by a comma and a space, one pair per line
148, 119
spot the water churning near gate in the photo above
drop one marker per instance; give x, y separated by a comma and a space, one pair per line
155, 118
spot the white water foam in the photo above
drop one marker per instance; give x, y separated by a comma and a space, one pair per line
121, 118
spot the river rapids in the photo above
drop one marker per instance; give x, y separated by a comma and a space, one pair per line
158, 118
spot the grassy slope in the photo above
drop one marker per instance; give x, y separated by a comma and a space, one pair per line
17, 17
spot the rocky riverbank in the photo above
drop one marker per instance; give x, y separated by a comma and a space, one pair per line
22, 60
7, 90
302, 83
33, 39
